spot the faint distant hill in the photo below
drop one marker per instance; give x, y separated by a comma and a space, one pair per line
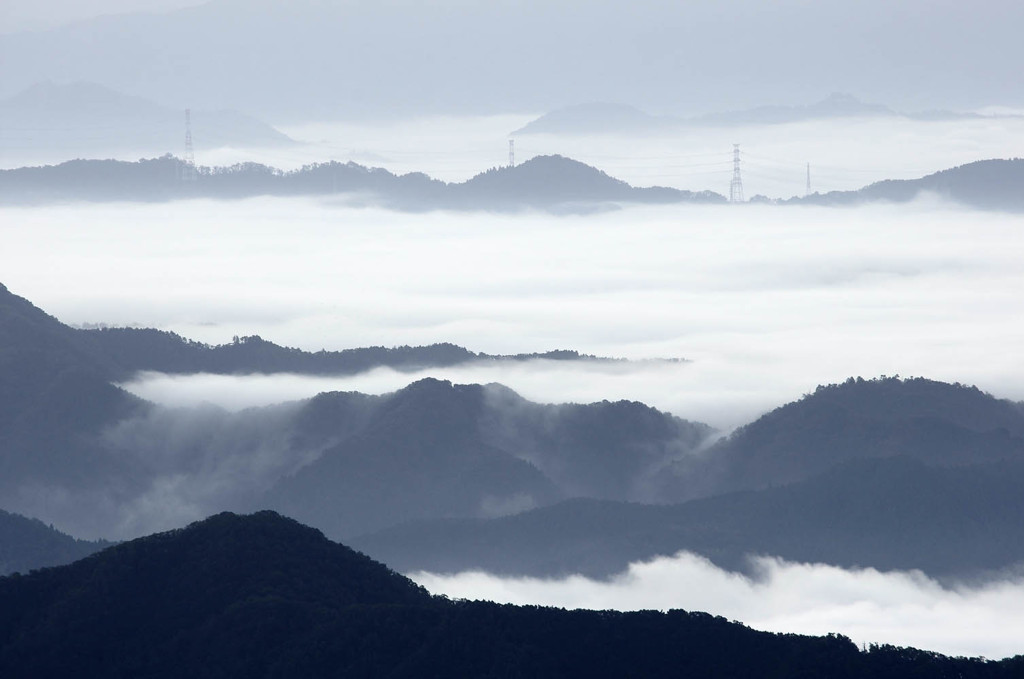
85, 119
836, 105
264, 596
27, 544
544, 183
596, 118
892, 513
996, 184
602, 118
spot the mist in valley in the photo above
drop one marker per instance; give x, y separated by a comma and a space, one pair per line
869, 606
762, 302
714, 314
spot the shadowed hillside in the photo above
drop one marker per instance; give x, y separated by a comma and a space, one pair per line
27, 544
889, 514
262, 596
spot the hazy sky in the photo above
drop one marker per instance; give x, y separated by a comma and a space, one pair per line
318, 59
22, 15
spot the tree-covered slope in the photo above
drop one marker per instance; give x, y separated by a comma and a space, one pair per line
27, 544
889, 514
935, 422
434, 449
262, 596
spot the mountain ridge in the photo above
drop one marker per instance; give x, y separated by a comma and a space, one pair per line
261, 596
548, 183
552, 183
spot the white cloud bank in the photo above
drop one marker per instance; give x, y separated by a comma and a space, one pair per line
766, 301
869, 606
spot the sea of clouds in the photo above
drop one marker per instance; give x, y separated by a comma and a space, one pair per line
869, 606
765, 302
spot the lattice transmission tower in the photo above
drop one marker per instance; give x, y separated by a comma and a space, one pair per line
188, 169
736, 185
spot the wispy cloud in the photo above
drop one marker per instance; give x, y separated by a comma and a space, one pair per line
904, 608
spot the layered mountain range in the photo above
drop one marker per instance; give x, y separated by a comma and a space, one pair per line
885, 472
83, 453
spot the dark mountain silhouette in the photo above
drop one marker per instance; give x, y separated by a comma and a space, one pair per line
36, 345
987, 184
84, 118
889, 473
138, 349
261, 596
545, 182
435, 449
88, 456
940, 424
27, 544
891, 514
55, 399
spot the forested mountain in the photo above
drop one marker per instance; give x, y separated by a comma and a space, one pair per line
27, 544
996, 184
137, 349
940, 424
544, 182
99, 462
889, 472
38, 344
892, 513
443, 450
262, 596
55, 399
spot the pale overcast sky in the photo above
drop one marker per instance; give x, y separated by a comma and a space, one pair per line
20, 15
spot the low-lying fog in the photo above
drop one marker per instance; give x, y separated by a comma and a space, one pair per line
900, 608
844, 153
767, 302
